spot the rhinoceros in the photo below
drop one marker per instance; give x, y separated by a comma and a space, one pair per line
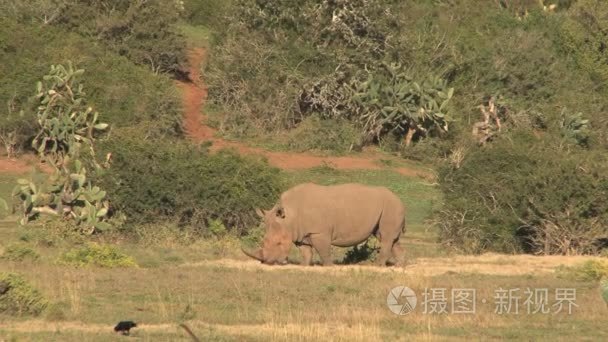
315, 216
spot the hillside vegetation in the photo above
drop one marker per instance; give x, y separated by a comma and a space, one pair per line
126, 57
486, 118
507, 99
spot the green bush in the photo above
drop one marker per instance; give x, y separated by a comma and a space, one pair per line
254, 237
367, 251
319, 134
302, 58
143, 31
591, 270
524, 194
234, 77
19, 252
207, 13
275, 62
151, 182
582, 35
125, 94
97, 255
18, 297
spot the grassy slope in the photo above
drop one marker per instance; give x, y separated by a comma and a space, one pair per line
123, 93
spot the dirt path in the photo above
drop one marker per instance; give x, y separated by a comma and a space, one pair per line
194, 96
489, 263
23, 164
270, 330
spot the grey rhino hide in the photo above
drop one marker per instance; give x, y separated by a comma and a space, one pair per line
316, 216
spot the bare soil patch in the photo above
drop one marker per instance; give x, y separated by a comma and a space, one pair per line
490, 263
23, 164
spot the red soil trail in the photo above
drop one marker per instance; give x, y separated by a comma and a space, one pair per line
21, 165
195, 94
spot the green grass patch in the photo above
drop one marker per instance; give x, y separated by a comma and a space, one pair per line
8, 181
590, 270
19, 252
18, 297
94, 254
196, 36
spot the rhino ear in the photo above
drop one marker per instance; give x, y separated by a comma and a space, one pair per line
259, 212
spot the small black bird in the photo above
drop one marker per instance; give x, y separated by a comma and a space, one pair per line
124, 326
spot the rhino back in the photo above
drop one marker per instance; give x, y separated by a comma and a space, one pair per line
347, 212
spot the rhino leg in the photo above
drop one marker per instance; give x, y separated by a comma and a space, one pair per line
385, 252
323, 247
306, 252
397, 253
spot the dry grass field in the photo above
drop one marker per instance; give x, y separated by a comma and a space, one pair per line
223, 296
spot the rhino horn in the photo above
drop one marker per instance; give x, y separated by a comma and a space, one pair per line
256, 255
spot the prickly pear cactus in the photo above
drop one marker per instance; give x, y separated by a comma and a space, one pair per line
390, 100
66, 123
575, 127
65, 140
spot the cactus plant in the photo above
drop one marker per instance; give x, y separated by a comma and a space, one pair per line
390, 100
72, 197
66, 122
575, 127
66, 141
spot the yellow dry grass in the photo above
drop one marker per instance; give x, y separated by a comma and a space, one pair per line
490, 264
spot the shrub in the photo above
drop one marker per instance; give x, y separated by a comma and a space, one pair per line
367, 251
582, 36
303, 58
521, 194
18, 297
234, 77
591, 270
254, 237
149, 182
386, 100
97, 255
310, 57
315, 133
207, 13
217, 228
19, 252
127, 95
143, 31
